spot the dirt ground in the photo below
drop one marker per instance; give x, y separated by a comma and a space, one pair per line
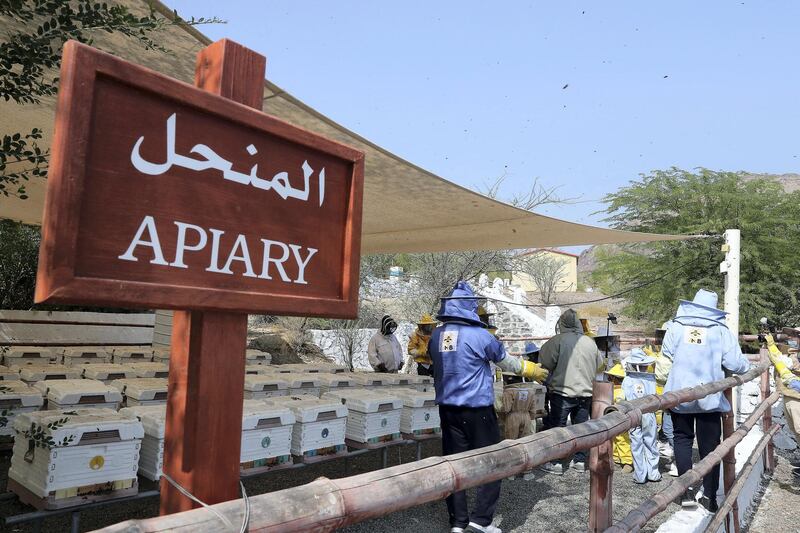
779, 509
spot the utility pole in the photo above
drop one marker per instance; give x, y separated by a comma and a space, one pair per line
730, 268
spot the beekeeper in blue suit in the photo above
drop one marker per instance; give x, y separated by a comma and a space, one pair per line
462, 351
701, 348
639, 381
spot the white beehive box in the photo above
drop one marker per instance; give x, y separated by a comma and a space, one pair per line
334, 382
78, 393
153, 419
257, 357
107, 372
161, 354
307, 384
319, 424
150, 370
259, 369
25, 355
132, 355
266, 434
93, 451
8, 374
260, 386
31, 374
82, 356
369, 380
17, 397
399, 380
421, 383
142, 391
298, 368
420, 415
372, 416
329, 368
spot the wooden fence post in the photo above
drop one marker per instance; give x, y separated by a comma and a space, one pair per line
601, 465
766, 424
729, 463
202, 444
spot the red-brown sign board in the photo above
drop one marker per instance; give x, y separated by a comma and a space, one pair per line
162, 195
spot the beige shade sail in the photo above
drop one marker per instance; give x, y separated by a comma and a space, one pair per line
406, 208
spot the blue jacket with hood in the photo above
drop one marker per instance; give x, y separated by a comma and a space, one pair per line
461, 350
700, 346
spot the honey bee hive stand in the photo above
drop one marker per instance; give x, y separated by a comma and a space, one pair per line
107, 372
260, 386
78, 393
319, 428
373, 417
151, 455
79, 456
266, 436
142, 391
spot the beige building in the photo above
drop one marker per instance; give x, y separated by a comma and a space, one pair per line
568, 281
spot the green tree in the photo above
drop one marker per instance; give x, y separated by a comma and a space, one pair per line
704, 202
19, 252
30, 58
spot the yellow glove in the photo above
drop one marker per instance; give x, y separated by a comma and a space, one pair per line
769, 339
649, 351
534, 371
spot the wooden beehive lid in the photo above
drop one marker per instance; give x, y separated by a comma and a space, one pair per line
331, 368
257, 355
419, 380
152, 417
415, 398
365, 401
399, 380
139, 388
259, 369
83, 426
15, 394
76, 391
259, 414
49, 372
107, 371
262, 382
369, 379
308, 409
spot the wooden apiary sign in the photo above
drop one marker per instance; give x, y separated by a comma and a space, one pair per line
163, 195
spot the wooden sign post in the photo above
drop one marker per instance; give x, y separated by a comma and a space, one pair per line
163, 195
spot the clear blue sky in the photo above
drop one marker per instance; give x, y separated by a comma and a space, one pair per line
471, 90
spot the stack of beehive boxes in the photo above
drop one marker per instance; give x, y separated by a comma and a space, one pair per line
62, 459
107, 372
261, 386
266, 435
125, 356
420, 415
142, 391
319, 428
16, 397
78, 393
82, 356
153, 419
373, 417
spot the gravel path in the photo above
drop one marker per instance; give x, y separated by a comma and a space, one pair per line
779, 509
548, 503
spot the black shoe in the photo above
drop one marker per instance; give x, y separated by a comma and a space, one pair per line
709, 504
687, 500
